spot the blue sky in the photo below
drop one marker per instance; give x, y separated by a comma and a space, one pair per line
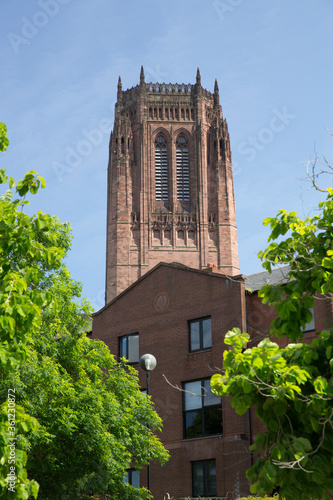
60, 64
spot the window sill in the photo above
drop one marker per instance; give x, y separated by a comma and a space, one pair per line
193, 353
211, 436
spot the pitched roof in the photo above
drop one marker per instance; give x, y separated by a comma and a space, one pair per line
256, 281
209, 271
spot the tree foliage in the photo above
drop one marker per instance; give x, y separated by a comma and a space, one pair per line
291, 387
85, 420
93, 417
3, 137
20, 312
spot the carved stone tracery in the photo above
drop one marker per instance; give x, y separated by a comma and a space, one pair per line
166, 221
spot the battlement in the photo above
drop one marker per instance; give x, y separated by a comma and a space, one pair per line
170, 88
165, 89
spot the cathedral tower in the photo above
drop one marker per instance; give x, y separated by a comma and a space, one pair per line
170, 183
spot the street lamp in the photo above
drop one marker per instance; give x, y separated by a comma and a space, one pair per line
148, 363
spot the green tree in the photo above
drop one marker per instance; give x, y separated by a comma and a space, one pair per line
88, 421
20, 309
292, 387
93, 417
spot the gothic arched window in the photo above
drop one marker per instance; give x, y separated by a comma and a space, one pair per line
161, 169
183, 171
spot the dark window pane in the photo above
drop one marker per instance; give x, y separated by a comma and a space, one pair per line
129, 348
193, 398
213, 420
211, 477
200, 334
193, 423
204, 478
202, 410
209, 398
206, 333
123, 347
198, 479
135, 479
195, 335
132, 477
133, 348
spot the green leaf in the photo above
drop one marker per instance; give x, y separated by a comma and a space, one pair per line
320, 385
42, 181
257, 362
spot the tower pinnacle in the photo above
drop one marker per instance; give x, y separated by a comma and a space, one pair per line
142, 76
216, 94
198, 77
119, 93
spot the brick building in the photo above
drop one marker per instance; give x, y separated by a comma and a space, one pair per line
171, 210
180, 315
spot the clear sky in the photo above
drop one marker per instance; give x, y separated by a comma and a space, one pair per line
60, 62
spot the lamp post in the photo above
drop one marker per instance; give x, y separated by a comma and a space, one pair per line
148, 363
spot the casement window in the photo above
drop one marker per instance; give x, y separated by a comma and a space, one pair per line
161, 169
202, 409
129, 347
132, 477
204, 478
309, 327
200, 331
183, 171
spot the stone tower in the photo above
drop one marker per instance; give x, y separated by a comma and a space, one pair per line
170, 183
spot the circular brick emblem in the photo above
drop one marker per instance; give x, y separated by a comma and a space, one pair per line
161, 301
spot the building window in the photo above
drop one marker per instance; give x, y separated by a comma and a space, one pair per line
202, 410
309, 327
204, 478
132, 477
183, 172
200, 334
161, 169
129, 347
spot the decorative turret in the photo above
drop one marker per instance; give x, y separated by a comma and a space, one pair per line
216, 95
142, 76
198, 77
119, 92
